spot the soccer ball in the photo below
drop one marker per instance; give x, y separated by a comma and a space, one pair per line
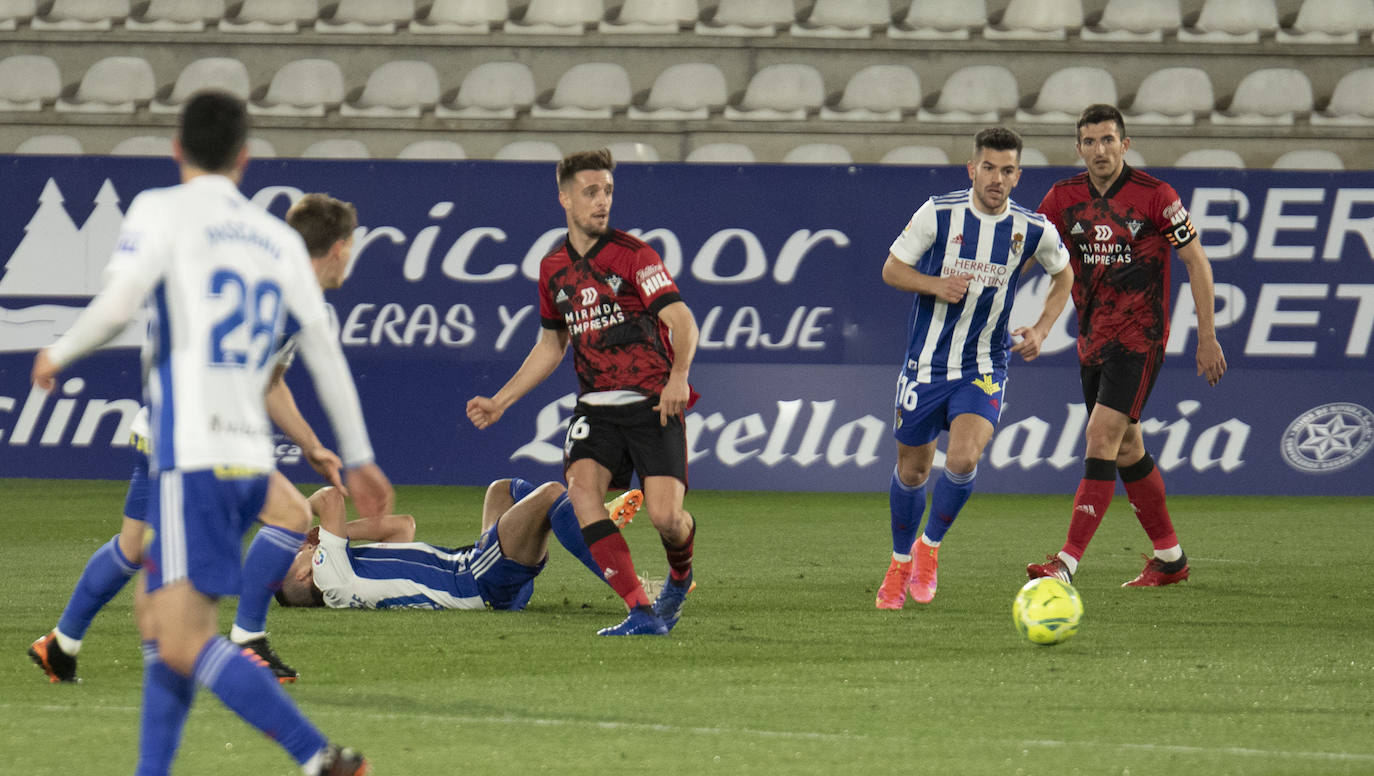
1047, 611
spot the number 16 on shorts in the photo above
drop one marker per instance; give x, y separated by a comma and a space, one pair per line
906, 398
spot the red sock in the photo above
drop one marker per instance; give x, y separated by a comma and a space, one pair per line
680, 558
612, 554
1145, 489
1090, 504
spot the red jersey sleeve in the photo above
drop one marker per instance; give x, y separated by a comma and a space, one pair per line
1171, 217
652, 281
549, 317
1050, 208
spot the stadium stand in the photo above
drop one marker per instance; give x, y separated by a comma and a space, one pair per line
1352, 102
1066, 91
143, 145
1273, 95
461, 17
977, 93
28, 82
51, 145
1037, 20
260, 148
398, 88
224, 73
749, 18
780, 93
684, 92
877, 93
1211, 157
557, 17
271, 16
305, 87
336, 148
1132, 20
1329, 22
1232, 21
73, 15
368, 17
529, 151
722, 153
818, 153
590, 90
1309, 159
432, 149
631, 151
112, 85
844, 19
1172, 95
492, 90
917, 154
940, 20
177, 16
16, 12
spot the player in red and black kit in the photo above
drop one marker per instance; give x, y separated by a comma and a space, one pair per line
633, 340
1119, 225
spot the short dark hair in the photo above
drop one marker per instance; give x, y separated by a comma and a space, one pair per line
310, 597
322, 221
997, 139
572, 164
214, 126
1096, 114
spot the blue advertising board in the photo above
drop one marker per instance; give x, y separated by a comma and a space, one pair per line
800, 339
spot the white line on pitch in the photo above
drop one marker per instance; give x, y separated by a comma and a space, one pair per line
1231, 750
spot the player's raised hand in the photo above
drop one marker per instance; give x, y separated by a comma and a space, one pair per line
326, 463
1211, 362
483, 411
1031, 340
371, 490
673, 399
952, 287
44, 371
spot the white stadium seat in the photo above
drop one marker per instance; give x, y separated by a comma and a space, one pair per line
1352, 102
1309, 159
177, 16
461, 17
274, 16
1274, 95
304, 87
260, 148
928, 156
687, 91
1330, 21
590, 90
844, 19
336, 148
400, 88
1232, 21
368, 16
878, 93
1037, 20
1033, 157
1211, 157
28, 82
749, 18
1066, 91
976, 93
1172, 95
941, 20
112, 85
12, 12
50, 145
818, 153
557, 17
1133, 20
652, 17
143, 145
82, 15
492, 90
223, 73
631, 151
529, 151
721, 153
780, 92
432, 149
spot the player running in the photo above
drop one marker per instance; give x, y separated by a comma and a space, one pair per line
962, 255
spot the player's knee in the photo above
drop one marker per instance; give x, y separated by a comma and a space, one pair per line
326, 500
912, 473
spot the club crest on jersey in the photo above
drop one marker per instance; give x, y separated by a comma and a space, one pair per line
1018, 241
615, 282
1134, 225
988, 385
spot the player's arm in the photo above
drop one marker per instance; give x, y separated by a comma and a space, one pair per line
899, 271
282, 409
1211, 362
329, 506
1061, 284
682, 327
543, 358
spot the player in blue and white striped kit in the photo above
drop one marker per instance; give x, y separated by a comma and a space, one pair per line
220, 276
961, 254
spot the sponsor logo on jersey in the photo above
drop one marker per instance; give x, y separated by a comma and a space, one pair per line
1102, 232
654, 279
1175, 212
985, 272
1328, 438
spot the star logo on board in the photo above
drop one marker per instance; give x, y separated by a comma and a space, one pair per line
1327, 438
988, 385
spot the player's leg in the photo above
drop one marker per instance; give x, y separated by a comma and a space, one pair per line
286, 519
969, 433
524, 527
106, 572
1145, 489
919, 415
659, 453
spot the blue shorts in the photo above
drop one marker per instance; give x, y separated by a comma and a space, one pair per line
136, 500
923, 410
503, 583
199, 519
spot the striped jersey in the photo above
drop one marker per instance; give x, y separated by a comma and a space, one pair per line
399, 575
949, 236
220, 276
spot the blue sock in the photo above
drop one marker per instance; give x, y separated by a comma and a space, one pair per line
569, 533
105, 575
951, 493
908, 503
167, 697
252, 692
269, 556
520, 488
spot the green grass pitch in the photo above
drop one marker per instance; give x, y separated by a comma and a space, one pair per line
1262, 663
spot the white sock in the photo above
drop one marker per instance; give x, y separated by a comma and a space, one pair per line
1069, 561
240, 636
68, 644
923, 539
311, 767
1170, 555
900, 558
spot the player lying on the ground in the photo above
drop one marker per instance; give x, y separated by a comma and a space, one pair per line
397, 572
